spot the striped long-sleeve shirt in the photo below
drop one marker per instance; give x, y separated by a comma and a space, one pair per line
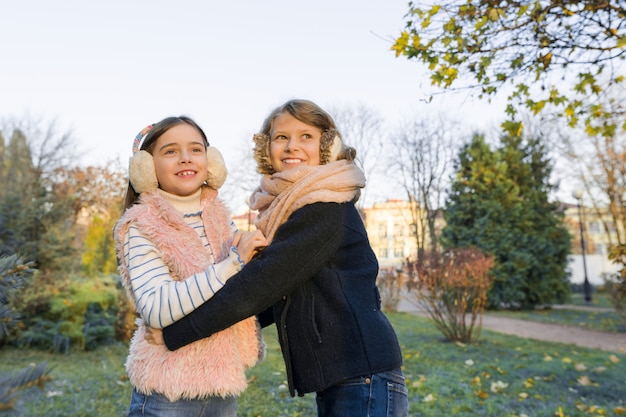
159, 298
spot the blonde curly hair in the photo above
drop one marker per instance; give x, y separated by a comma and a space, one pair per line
332, 147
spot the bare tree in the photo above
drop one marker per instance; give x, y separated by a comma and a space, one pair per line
242, 177
361, 128
600, 155
423, 153
49, 147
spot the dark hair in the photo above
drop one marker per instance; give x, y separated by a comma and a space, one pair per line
157, 130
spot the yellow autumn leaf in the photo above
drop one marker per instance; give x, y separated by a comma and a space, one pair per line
522, 396
547, 358
584, 380
614, 359
619, 410
482, 394
580, 367
566, 360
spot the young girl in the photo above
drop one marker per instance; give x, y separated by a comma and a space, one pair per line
317, 278
175, 245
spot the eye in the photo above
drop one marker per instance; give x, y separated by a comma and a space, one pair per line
279, 137
307, 136
198, 150
169, 152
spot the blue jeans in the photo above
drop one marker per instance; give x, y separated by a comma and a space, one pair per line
156, 405
379, 395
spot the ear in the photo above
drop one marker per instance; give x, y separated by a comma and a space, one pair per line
141, 172
216, 168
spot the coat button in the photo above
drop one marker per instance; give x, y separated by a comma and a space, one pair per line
368, 381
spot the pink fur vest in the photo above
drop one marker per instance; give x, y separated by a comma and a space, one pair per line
209, 367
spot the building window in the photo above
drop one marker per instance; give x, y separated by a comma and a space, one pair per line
601, 249
594, 227
397, 230
382, 253
382, 230
398, 252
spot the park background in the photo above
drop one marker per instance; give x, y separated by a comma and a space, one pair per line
82, 79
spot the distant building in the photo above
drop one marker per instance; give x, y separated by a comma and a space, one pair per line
599, 234
392, 233
245, 221
392, 230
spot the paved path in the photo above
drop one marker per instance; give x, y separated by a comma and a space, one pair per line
612, 342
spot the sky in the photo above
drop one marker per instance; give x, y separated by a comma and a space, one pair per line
105, 70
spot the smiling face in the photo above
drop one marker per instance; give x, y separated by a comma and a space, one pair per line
180, 160
293, 143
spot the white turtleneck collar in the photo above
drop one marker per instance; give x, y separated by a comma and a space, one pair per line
185, 204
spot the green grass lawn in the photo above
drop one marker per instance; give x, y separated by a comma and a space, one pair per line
598, 299
500, 376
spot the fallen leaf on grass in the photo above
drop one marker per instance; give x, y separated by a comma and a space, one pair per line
481, 394
584, 380
619, 410
522, 396
429, 398
614, 359
529, 383
419, 382
498, 386
580, 367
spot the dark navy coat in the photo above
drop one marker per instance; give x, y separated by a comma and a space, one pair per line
317, 282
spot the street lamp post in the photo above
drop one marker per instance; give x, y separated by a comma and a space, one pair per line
578, 195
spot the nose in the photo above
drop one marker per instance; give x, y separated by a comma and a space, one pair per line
185, 157
290, 145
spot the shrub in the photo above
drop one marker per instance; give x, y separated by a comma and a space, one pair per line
13, 275
76, 312
452, 287
390, 286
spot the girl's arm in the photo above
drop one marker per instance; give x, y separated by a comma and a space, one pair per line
159, 298
302, 246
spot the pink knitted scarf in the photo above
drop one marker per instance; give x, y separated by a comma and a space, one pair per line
282, 193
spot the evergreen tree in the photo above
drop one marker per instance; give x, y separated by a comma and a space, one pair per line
34, 220
499, 204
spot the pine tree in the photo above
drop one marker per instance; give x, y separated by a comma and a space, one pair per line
499, 204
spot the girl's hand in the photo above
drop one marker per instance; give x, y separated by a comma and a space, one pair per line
154, 336
249, 244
